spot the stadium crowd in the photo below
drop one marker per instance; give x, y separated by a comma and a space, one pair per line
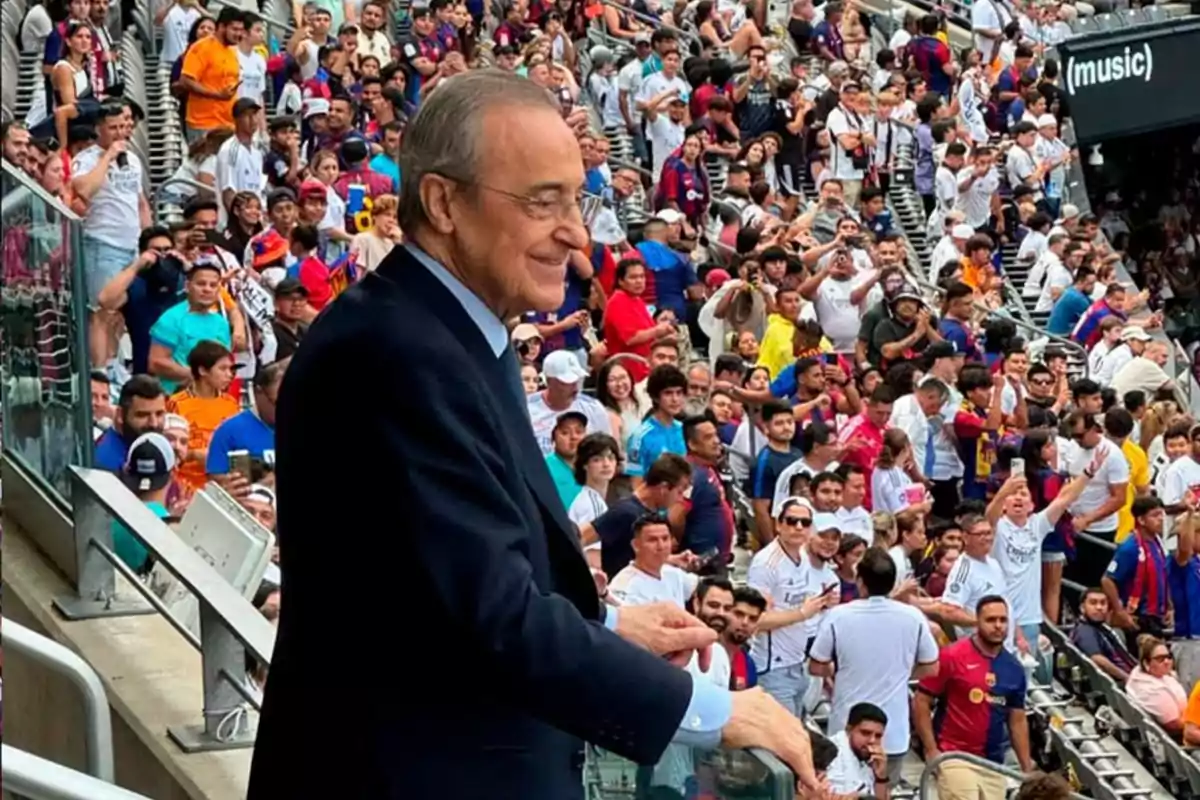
754, 401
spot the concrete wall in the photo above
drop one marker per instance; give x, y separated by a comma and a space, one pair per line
152, 677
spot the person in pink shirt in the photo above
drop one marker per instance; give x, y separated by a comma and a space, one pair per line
862, 437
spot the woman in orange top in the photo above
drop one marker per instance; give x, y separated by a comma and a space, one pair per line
205, 405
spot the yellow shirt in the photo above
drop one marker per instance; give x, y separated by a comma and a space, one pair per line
1139, 478
778, 345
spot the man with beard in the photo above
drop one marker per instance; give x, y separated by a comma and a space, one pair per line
860, 766
141, 408
713, 605
748, 608
981, 689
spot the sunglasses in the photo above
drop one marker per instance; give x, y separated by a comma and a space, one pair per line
798, 522
1161, 658
1041, 382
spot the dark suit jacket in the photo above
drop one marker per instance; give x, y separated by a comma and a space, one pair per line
441, 636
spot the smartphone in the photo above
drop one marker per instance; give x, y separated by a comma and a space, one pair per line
1018, 466
829, 589
239, 461
831, 359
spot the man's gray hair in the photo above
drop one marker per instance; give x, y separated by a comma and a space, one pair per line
444, 137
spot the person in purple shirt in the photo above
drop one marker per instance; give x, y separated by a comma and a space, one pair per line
141, 408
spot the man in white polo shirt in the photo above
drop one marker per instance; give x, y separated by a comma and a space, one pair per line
795, 571
874, 647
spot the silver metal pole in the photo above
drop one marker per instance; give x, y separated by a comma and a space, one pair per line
60, 659
34, 778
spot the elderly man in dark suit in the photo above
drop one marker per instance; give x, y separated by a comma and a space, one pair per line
442, 636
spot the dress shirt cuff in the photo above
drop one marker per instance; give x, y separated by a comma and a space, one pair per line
707, 713
610, 617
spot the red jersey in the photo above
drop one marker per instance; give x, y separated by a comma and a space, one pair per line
975, 693
624, 317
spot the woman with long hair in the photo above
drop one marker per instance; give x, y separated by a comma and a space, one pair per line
1039, 449
199, 165
738, 38
204, 26
71, 98
616, 392
683, 185
893, 488
245, 221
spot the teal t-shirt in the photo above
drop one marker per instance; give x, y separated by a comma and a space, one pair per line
564, 479
180, 329
127, 546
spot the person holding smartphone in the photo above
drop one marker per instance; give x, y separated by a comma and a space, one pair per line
211, 75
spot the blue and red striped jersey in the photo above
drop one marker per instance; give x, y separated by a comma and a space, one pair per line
975, 692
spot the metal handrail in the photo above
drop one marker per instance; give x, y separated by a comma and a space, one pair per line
26, 182
34, 778
197, 185
266, 20
60, 659
975, 761
230, 627
649, 20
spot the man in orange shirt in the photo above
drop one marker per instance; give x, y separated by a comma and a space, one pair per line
1191, 719
211, 74
205, 405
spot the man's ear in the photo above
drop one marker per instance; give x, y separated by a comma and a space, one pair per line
437, 198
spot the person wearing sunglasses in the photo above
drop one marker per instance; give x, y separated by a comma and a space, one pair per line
795, 570
1154, 687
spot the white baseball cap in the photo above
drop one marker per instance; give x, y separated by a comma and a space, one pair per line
1046, 121
670, 216
962, 231
1135, 333
562, 365
826, 522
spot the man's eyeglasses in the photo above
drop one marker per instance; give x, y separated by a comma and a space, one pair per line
798, 522
550, 204
1041, 382
1081, 435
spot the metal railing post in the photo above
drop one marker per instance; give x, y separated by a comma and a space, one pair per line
975, 761
34, 778
96, 586
60, 659
223, 657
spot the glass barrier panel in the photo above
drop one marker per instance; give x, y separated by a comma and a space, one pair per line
44, 386
684, 773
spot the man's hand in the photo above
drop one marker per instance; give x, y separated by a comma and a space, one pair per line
878, 762
758, 720
1123, 619
667, 630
